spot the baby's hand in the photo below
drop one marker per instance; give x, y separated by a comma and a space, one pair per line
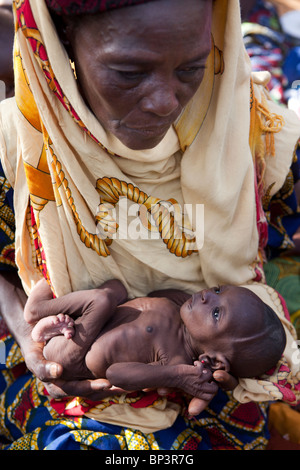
197, 405
197, 380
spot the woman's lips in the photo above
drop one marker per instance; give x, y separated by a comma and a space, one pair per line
151, 131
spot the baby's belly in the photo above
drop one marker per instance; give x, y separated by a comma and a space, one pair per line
125, 343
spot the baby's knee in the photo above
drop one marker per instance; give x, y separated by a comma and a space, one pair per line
31, 312
36, 305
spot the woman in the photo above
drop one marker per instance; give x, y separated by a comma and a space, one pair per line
143, 123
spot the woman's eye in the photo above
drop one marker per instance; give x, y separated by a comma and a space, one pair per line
191, 69
131, 75
216, 313
190, 72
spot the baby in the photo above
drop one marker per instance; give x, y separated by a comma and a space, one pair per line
158, 341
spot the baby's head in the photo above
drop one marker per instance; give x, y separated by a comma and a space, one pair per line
231, 328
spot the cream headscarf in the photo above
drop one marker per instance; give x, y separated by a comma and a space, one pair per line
66, 165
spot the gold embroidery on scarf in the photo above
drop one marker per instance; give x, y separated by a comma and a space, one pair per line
263, 126
192, 118
112, 189
39, 184
23, 94
90, 240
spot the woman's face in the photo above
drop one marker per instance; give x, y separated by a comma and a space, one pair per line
138, 67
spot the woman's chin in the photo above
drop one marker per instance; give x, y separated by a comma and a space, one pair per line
139, 139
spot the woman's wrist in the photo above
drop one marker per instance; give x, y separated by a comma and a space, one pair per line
12, 302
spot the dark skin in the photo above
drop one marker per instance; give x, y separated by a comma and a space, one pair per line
12, 303
123, 340
246, 7
143, 77
151, 97
6, 49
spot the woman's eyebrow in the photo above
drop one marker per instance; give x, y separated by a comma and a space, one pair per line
146, 57
139, 57
203, 56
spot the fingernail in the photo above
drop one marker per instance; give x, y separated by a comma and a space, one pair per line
218, 377
53, 370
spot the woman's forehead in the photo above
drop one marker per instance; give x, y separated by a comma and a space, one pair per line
167, 23
75, 7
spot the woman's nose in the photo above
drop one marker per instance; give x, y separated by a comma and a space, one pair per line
161, 100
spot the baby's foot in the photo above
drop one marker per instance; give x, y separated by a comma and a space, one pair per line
55, 325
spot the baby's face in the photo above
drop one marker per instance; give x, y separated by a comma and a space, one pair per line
219, 317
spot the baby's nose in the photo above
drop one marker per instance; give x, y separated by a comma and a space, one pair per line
207, 295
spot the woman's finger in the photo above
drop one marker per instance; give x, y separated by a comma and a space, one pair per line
225, 380
92, 389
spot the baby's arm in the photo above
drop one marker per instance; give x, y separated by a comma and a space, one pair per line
194, 380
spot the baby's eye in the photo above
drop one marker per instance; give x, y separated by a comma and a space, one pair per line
216, 313
217, 290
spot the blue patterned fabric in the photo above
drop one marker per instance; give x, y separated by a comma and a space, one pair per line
7, 224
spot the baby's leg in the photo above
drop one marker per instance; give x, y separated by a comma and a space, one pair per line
41, 303
55, 325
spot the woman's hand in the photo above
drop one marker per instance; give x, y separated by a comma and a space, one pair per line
50, 372
197, 405
95, 390
37, 364
12, 302
225, 380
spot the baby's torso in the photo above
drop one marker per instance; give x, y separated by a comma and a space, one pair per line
144, 330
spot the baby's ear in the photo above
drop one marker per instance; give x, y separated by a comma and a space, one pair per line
215, 361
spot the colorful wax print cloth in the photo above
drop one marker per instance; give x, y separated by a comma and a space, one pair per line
270, 48
7, 224
283, 213
282, 272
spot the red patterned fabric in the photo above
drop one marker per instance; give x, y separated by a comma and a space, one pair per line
79, 7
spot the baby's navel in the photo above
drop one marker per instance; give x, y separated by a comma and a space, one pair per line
149, 329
